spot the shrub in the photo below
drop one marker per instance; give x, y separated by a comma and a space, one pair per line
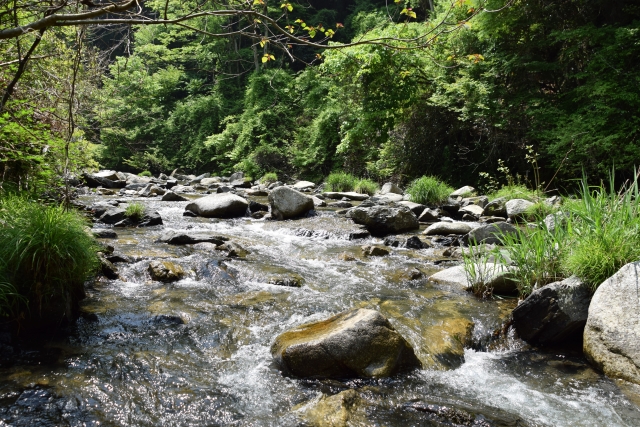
429, 190
340, 181
514, 191
366, 186
269, 178
46, 257
145, 173
135, 211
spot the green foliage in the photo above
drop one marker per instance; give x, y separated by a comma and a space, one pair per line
539, 211
46, 257
366, 186
134, 211
269, 178
145, 173
340, 181
514, 191
429, 190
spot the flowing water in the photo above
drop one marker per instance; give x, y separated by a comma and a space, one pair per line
197, 352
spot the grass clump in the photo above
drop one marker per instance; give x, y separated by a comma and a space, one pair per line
366, 186
429, 190
135, 211
340, 181
145, 173
514, 191
269, 178
46, 256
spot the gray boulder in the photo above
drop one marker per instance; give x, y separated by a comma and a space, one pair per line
490, 276
170, 196
303, 185
496, 207
236, 176
383, 220
199, 178
612, 332
390, 187
489, 233
223, 205
446, 228
481, 201
93, 181
429, 215
391, 197
319, 203
474, 211
112, 216
517, 207
152, 190
463, 191
357, 343
288, 203
554, 314
191, 237
110, 175
416, 208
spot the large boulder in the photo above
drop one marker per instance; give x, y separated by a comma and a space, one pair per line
383, 220
357, 343
390, 187
446, 228
554, 314
496, 207
490, 233
94, 180
489, 277
112, 216
516, 208
612, 332
288, 203
222, 205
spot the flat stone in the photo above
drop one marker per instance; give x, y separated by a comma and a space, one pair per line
349, 195
303, 185
490, 233
446, 228
473, 210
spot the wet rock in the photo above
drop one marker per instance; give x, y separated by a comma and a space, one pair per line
191, 237
224, 205
429, 215
112, 216
94, 181
451, 414
447, 339
340, 410
165, 271
390, 187
304, 185
189, 214
288, 203
259, 214
612, 335
554, 314
496, 207
198, 179
118, 257
233, 250
336, 195
345, 256
446, 228
152, 190
224, 189
383, 220
357, 343
256, 193
104, 233
170, 196
105, 192
318, 203
463, 191
210, 181
167, 320
291, 280
481, 201
416, 208
516, 208
393, 241
492, 219
150, 219
489, 233
491, 277
107, 268
414, 242
374, 251
341, 204
256, 207
474, 211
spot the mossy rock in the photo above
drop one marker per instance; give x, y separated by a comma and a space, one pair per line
165, 271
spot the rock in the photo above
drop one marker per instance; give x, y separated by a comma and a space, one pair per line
290, 280
474, 211
429, 215
112, 216
199, 178
390, 187
256, 193
93, 181
240, 183
104, 233
344, 205
105, 192
257, 207
236, 176
491, 219
374, 251
414, 242
416, 208
463, 191
152, 190
554, 314
446, 228
170, 196
224, 205
117, 257
149, 219
345, 256
107, 268
391, 197
357, 343
224, 189
186, 238
340, 410
481, 201
259, 214
496, 207
318, 203
490, 233
494, 277
303, 185
183, 189
288, 203
110, 175
553, 220
210, 181
612, 333
349, 195
233, 250
382, 220
165, 271
517, 207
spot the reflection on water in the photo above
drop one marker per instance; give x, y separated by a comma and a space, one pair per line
196, 352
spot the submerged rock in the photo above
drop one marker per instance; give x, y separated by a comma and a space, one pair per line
612, 332
107, 268
222, 205
554, 314
340, 410
374, 251
357, 343
288, 280
165, 271
104, 233
382, 220
191, 237
288, 203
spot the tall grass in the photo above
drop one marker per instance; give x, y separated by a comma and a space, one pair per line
429, 190
269, 178
340, 181
514, 191
366, 186
135, 211
46, 257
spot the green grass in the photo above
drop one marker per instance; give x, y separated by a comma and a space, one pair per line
429, 190
46, 257
514, 191
145, 173
366, 186
340, 181
135, 211
269, 178
539, 211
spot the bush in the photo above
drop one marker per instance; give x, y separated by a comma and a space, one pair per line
340, 181
46, 257
269, 178
366, 186
429, 190
135, 211
145, 173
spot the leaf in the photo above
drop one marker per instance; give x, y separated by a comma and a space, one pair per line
407, 11
329, 33
291, 28
263, 42
268, 57
258, 2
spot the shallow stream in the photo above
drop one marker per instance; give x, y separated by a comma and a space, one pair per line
197, 352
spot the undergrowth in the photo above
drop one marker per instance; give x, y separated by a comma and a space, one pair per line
429, 190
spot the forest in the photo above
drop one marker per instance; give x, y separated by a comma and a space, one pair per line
471, 91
